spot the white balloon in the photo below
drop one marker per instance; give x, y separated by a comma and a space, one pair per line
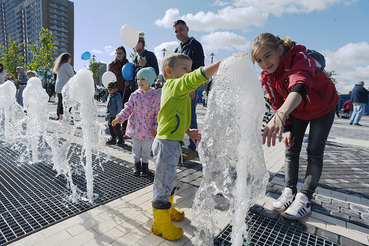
108, 77
129, 35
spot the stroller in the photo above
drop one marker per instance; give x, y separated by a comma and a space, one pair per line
345, 110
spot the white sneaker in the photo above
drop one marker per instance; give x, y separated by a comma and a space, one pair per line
284, 201
299, 208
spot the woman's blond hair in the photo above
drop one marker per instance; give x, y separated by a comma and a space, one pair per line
270, 41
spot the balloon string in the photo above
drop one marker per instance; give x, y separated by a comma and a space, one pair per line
77, 62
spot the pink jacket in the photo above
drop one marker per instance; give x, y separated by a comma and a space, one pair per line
141, 110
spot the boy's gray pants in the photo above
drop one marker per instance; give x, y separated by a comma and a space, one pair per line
141, 149
166, 155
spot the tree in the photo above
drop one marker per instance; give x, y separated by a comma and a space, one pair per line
43, 61
95, 68
331, 74
11, 57
132, 55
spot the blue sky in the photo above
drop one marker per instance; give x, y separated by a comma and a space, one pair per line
336, 28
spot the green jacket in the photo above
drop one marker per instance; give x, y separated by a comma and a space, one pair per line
175, 107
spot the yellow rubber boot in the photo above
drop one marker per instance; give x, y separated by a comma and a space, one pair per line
164, 227
175, 215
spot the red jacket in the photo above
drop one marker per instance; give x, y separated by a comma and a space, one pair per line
116, 68
321, 95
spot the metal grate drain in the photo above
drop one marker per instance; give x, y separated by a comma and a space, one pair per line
31, 197
266, 232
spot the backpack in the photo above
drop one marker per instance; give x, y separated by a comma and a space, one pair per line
319, 57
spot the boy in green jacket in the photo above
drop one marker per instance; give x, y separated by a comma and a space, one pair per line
173, 122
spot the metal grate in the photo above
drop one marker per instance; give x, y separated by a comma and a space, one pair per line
31, 197
267, 232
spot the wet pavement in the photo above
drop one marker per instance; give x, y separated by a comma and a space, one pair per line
340, 205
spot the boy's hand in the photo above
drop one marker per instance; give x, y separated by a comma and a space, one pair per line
194, 135
106, 118
192, 94
114, 122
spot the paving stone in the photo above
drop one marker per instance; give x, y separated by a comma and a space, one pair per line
359, 208
340, 216
365, 216
270, 214
256, 209
320, 210
330, 207
323, 199
306, 228
349, 242
350, 212
316, 203
341, 204
328, 235
359, 222
273, 195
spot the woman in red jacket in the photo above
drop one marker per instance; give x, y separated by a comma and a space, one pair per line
300, 95
124, 87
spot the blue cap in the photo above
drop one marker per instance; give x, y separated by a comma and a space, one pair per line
148, 73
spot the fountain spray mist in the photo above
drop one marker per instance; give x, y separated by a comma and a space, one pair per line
231, 150
11, 113
78, 96
35, 100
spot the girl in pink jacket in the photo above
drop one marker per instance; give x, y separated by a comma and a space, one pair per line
141, 111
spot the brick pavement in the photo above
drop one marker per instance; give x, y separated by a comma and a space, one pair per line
339, 212
342, 197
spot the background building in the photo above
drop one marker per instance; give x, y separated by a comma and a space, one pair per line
22, 20
103, 69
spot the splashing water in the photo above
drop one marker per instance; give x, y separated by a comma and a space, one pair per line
231, 150
78, 96
11, 113
35, 100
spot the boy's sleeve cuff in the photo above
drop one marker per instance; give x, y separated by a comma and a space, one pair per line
203, 72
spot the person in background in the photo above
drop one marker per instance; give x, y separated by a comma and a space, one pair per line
141, 111
97, 93
124, 87
64, 72
142, 59
300, 96
115, 105
191, 47
31, 74
3, 74
22, 82
359, 97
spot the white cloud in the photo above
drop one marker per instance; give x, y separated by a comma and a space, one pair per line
170, 16
224, 41
227, 18
169, 46
108, 48
278, 7
97, 51
220, 3
244, 13
350, 62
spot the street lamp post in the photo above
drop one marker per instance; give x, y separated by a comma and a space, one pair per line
164, 50
212, 57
